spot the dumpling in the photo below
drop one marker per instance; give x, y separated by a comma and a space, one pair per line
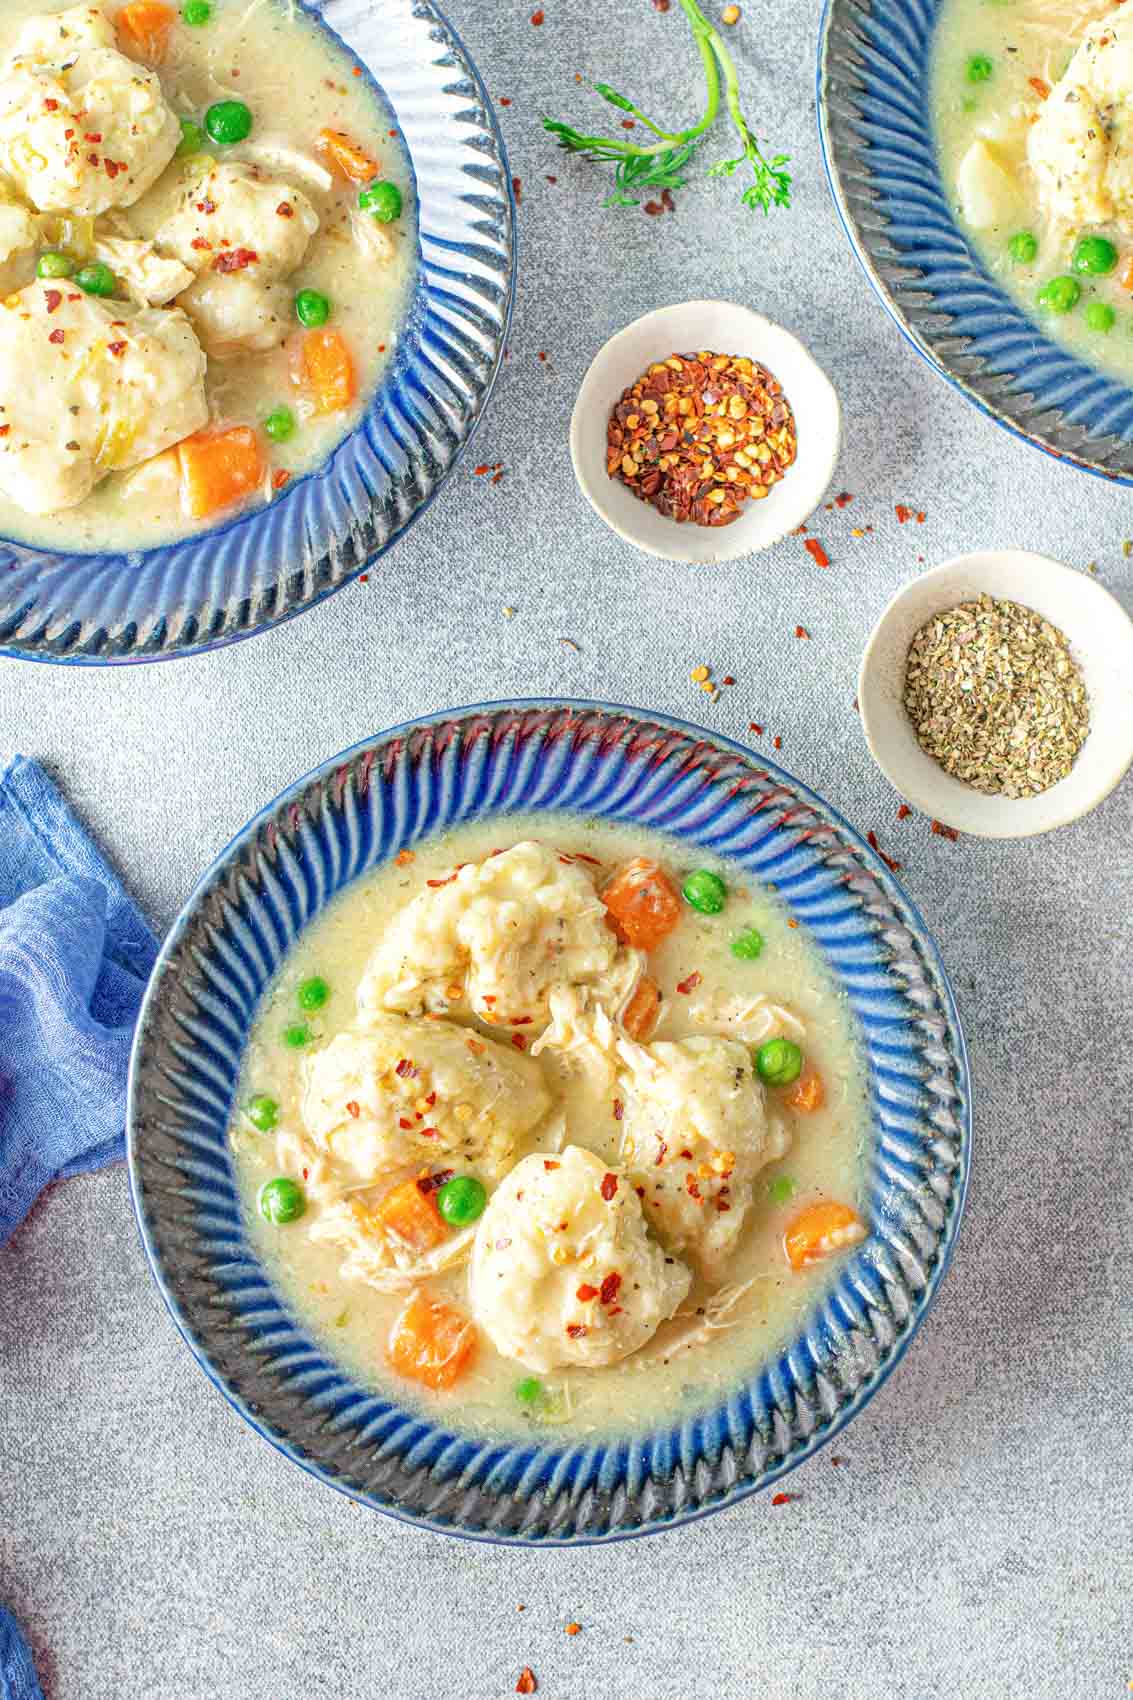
695, 1132
1068, 151
408, 1092
151, 278
501, 935
89, 387
563, 1268
82, 128
240, 232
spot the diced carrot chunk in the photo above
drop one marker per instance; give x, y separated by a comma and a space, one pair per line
328, 370
347, 158
219, 468
412, 1215
431, 1342
143, 30
1040, 86
1127, 274
821, 1230
643, 903
639, 1017
808, 1093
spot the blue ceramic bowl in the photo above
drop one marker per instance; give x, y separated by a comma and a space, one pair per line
263, 567
358, 811
875, 122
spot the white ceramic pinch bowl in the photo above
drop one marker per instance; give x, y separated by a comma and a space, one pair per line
725, 328
1100, 634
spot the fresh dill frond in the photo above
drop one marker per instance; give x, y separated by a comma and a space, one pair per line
634, 177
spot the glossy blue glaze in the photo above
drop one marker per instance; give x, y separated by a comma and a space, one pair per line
265, 566
879, 146
355, 813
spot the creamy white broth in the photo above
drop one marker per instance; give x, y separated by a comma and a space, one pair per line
297, 80
686, 1364
1027, 42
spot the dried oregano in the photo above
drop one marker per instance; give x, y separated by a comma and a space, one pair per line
995, 697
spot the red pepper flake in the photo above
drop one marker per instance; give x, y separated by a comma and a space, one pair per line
505, 100
628, 124
519, 1041
5, 430
903, 513
206, 206
871, 840
920, 519
537, 17
436, 884
53, 106
54, 299
783, 1498
481, 470
521, 1021
404, 1122
667, 201
619, 1109
904, 812
542, 354
285, 209
817, 553
363, 578
943, 831
433, 1183
608, 1291
844, 500
93, 136
686, 1154
517, 190
118, 349
201, 245
792, 923
609, 1186
68, 135
527, 1683
56, 337
236, 260
754, 726
428, 1133
660, 5
551, 179
692, 1189
653, 208
574, 1629
112, 168
280, 480
549, 1164
801, 632
689, 985
575, 1331
496, 476
353, 1108
404, 1068
778, 743
586, 1292
728, 680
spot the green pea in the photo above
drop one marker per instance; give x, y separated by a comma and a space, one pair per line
1094, 256
54, 264
705, 891
280, 425
313, 993
979, 68
779, 1062
462, 1200
748, 944
312, 308
192, 140
529, 1391
782, 1189
382, 200
1060, 294
282, 1200
262, 1112
196, 13
296, 1035
1100, 316
229, 121
96, 279
1023, 247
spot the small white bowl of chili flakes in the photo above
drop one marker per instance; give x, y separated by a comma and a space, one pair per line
703, 432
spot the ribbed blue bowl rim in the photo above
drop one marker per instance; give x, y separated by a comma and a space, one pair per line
276, 814
875, 125
260, 569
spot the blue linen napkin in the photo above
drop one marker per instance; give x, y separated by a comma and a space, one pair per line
18, 1680
75, 956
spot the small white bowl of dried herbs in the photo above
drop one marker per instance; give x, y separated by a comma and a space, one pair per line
996, 693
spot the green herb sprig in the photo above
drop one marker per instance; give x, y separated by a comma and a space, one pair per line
661, 164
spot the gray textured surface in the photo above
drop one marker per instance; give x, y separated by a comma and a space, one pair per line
977, 1542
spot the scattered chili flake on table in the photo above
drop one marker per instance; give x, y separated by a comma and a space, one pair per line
517, 190
574, 1629
778, 743
754, 726
363, 578
801, 632
943, 831
783, 1498
699, 434
817, 553
504, 100
542, 354
551, 179
871, 840
481, 470
904, 811
843, 500
496, 476
537, 17
527, 1683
